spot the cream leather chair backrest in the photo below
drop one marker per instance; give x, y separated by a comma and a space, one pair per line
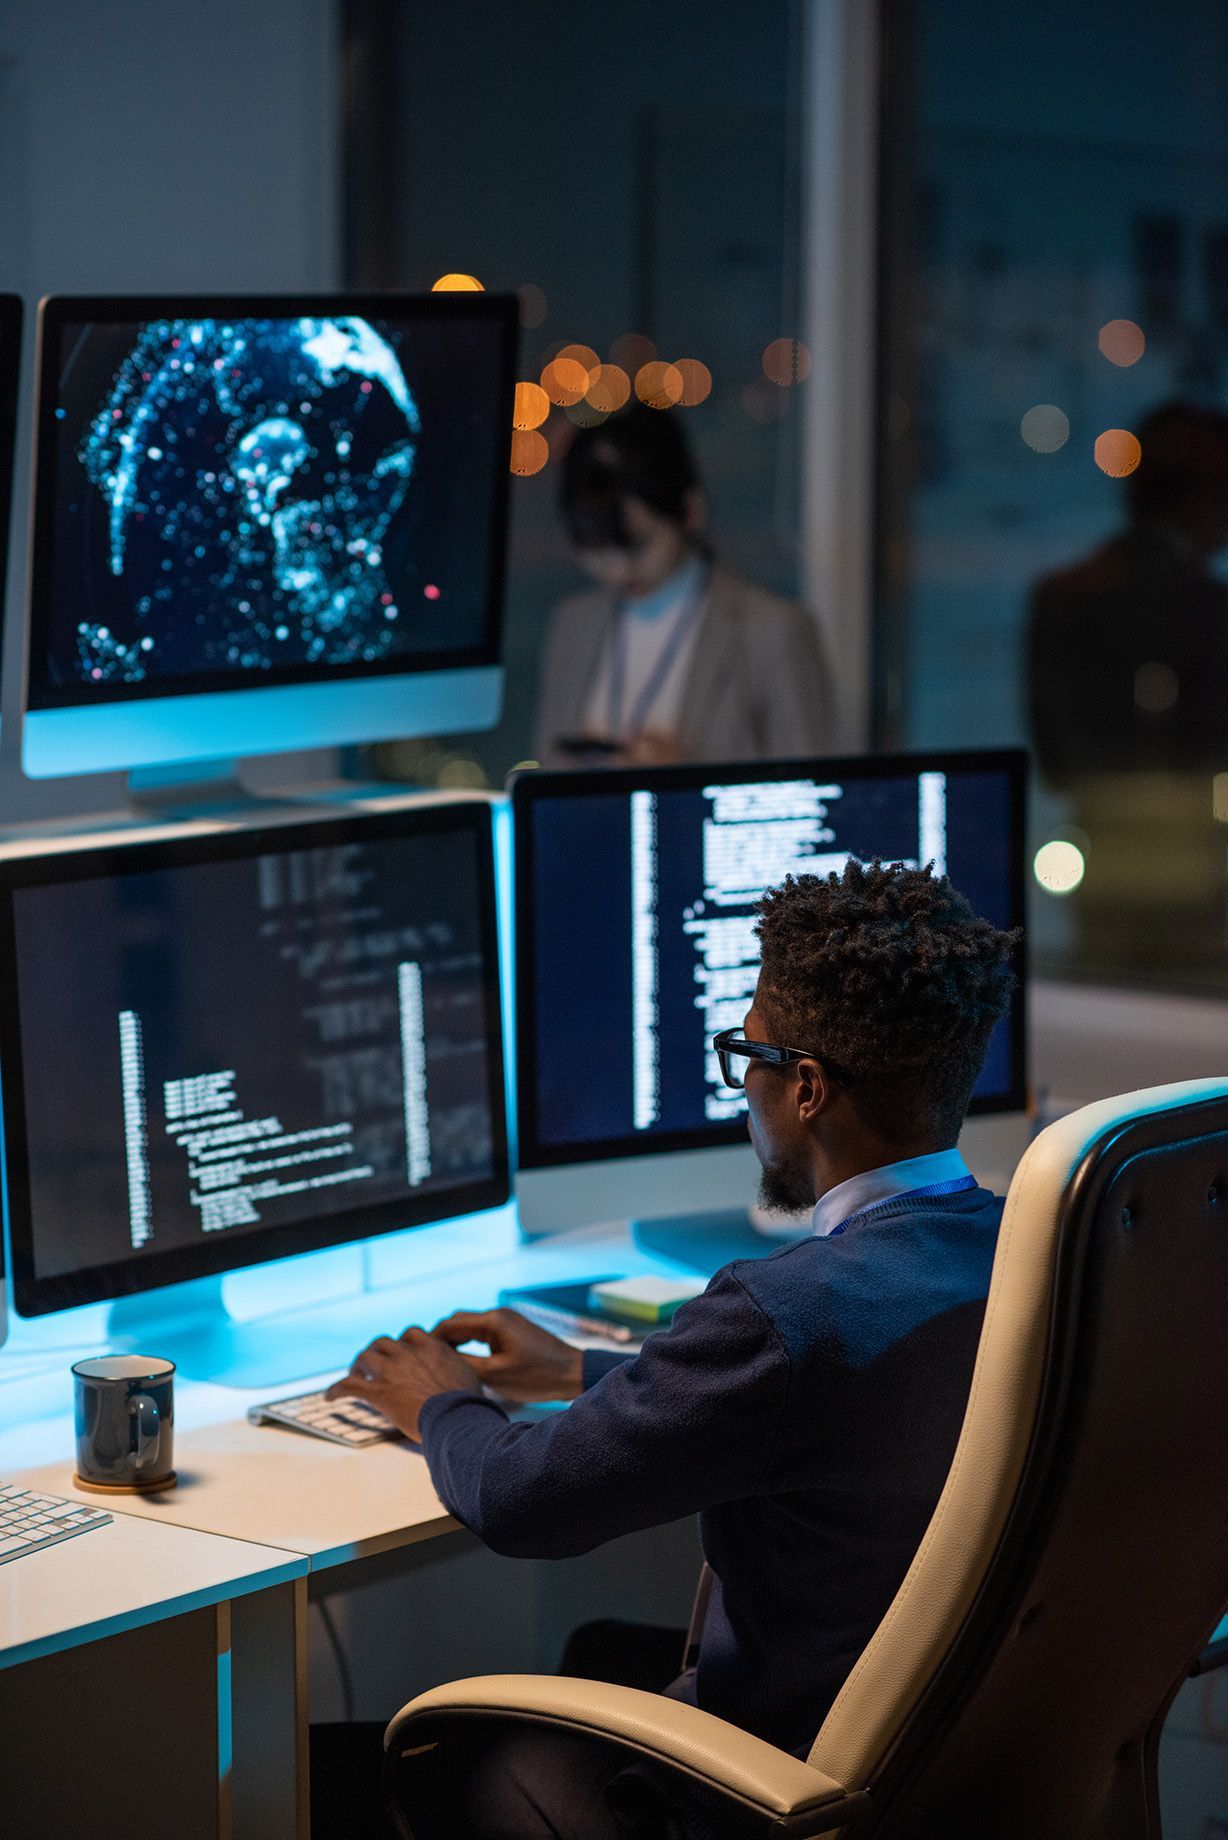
940, 1587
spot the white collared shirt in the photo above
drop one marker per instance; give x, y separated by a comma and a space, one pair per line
646, 628
848, 1198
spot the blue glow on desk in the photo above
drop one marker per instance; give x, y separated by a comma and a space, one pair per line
417, 1276
319, 1307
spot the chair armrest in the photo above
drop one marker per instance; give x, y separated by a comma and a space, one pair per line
721, 1756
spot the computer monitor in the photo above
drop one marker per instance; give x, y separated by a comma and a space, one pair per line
227, 1047
263, 524
635, 894
10, 373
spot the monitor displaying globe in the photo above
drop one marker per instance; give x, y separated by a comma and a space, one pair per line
264, 496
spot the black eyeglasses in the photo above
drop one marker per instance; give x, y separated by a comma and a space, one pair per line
732, 1049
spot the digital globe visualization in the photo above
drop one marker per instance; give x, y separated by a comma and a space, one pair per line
249, 472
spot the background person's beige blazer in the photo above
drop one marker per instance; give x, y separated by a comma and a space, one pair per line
759, 685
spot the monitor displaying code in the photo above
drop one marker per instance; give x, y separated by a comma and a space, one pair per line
227, 498
306, 1037
638, 908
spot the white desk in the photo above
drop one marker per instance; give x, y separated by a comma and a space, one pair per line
124, 1576
144, 1668
258, 1504
280, 1488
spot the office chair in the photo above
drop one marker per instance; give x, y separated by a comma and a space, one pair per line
1077, 1560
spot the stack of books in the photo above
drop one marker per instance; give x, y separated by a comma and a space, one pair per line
612, 1309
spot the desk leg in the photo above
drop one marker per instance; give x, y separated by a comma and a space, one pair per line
268, 1726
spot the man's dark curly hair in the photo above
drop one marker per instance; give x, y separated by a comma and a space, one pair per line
890, 973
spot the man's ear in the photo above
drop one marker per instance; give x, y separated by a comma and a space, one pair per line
815, 1091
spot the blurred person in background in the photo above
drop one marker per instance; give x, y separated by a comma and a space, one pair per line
1128, 687
671, 656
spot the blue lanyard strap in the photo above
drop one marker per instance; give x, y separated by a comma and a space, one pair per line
634, 722
954, 1185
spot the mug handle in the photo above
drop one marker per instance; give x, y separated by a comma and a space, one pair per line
143, 1411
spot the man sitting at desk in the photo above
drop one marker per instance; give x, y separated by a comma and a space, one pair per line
807, 1405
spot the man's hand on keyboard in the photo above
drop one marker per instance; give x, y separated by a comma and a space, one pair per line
525, 1363
400, 1376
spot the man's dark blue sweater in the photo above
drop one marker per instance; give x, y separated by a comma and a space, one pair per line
807, 1406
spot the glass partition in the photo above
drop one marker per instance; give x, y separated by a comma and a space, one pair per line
1053, 564
636, 180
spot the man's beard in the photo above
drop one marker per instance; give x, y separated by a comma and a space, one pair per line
786, 1190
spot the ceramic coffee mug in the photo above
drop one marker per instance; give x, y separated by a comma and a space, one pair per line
125, 1415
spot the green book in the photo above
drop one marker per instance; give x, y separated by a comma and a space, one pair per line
651, 1301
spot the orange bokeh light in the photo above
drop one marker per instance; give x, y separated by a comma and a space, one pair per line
785, 362
457, 284
659, 385
532, 406
609, 387
696, 381
530, 452
633, 351
580, 354
564, 381
1122, 342
1117, 452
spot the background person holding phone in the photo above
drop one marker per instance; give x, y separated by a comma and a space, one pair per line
671, 657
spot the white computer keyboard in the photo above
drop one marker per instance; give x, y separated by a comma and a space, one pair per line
29, 1521
344, 1421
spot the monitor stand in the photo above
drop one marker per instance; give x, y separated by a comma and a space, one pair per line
705, 1242
190, 1325
205, 789
208, 789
